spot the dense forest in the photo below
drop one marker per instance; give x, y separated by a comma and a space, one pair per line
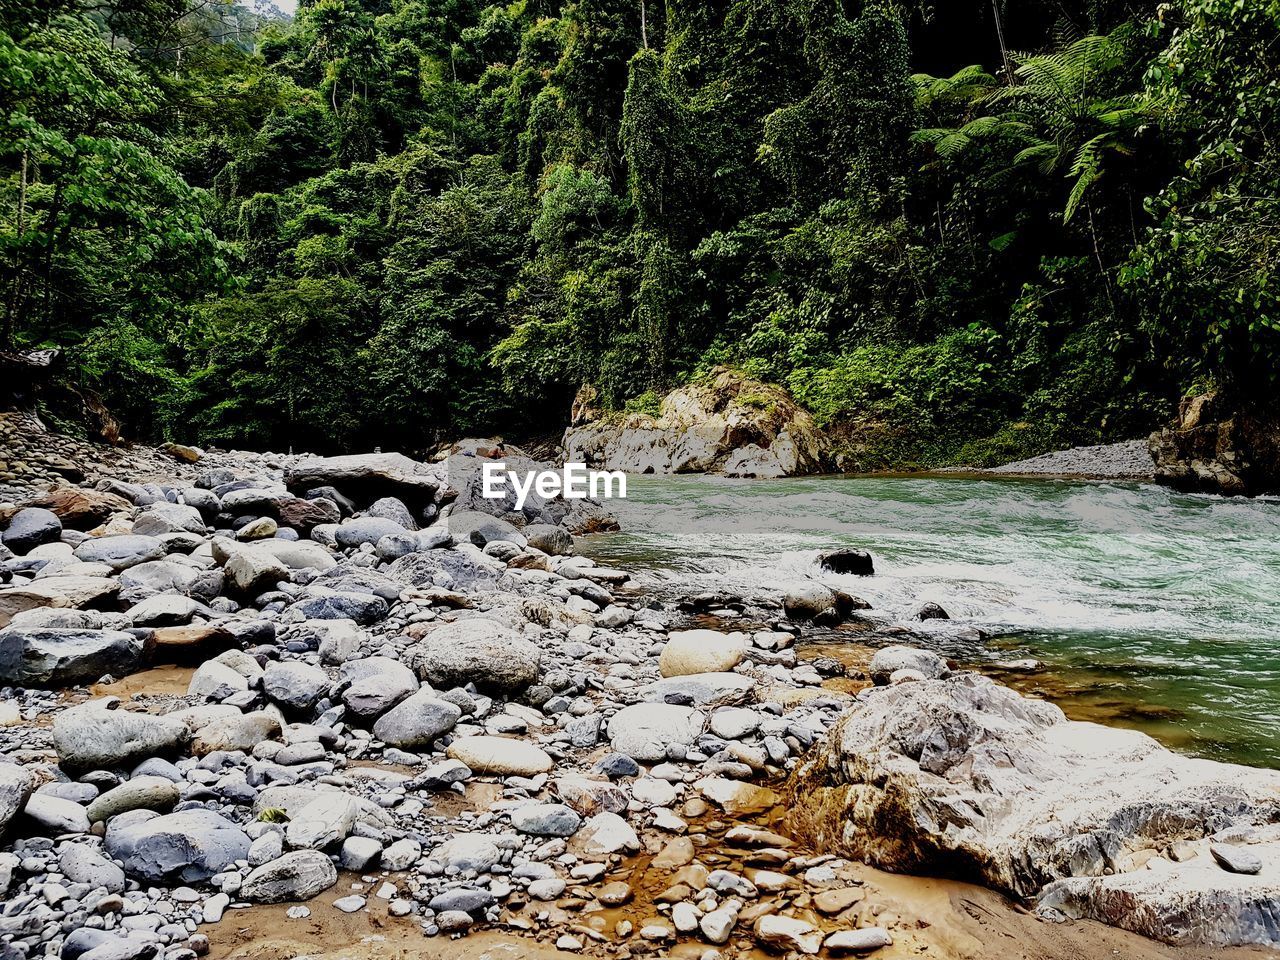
959, 231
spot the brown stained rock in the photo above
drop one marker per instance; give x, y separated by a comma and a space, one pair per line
79, 508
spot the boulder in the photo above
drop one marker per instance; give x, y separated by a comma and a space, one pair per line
178, 848
299, 554
852, 562
546, 820
248, 567
138, 793
163, 610
15, 791
554, 540
376, 685
499, 756
92, 736
360, 530
887, 661
29, 528
304, 515
295, 687
366, 476
57, 657
701, 651
53, 815
417, 721
481, 529
326, 820
79, 508
120, 552
82, 863
63, 592
236, 733
965, 777
644, 731
808, 600
476, 650
449, 569
298, 875
702, 690
161, 518
389, 508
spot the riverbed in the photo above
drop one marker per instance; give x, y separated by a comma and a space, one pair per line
1148, 608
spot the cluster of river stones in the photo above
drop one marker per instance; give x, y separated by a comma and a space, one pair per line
368, 649
409, 699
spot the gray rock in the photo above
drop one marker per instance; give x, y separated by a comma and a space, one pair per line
92, 737
299, 875
358, 530
140, 793
216, 681
376, 685
326, 820
554, 540
185, 847
236, 733
645, 730
81, 863
120, 552
162, 518
472, 526
1236, 859
323, 604
450, 569
417, 721
29, 528
63, 657
163, 610
889, 660
339, 639
249, 568
55, 815
807, 600
296, 687
359, 853
479, 651
389, 508
546, 820
15, 790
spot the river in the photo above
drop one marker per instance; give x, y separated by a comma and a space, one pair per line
1149, 608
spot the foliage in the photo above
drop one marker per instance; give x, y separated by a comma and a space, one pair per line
397, 222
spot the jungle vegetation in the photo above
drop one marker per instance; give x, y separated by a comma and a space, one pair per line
956, 232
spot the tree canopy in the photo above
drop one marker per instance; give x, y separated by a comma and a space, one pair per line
955, 232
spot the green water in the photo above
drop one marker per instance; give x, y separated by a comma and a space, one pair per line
1150, 608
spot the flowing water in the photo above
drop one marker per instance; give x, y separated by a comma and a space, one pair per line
1149, 608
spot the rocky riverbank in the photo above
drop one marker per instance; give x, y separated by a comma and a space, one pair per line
272, 690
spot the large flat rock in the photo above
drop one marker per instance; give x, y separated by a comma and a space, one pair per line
965, 777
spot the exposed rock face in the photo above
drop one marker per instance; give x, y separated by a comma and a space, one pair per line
965, 777
1216, 449
728, 424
